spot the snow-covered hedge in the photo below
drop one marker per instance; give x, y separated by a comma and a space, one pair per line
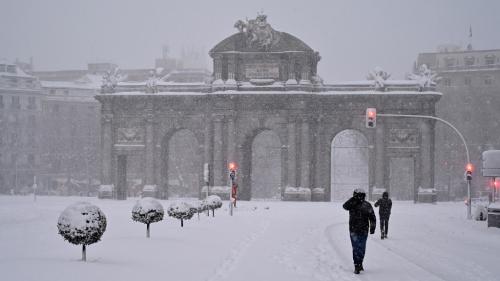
82, 224
180, 210
297, 194
318, 194
147, 210
212, 202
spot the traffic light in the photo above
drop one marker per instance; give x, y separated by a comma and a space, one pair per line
468, 171
371, 117
232, 170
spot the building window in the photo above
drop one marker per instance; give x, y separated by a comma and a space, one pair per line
31, 121
1, 101
468, 81
31, 103
66, 92
52, 92
447, 82
488, 80
31, 159
449, 62
489, 59
11, 68
467, 116
469, 61
15, 103
55, 108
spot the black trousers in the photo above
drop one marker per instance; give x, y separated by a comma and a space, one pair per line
384, 225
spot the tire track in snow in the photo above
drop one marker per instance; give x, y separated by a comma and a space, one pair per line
229, 263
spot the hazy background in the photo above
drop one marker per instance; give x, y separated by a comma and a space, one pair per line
352, 36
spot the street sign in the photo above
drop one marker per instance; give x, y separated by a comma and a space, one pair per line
491, 163
206, 173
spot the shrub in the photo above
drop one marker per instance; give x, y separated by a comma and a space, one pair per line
213, 202
180, 210
82, 224
147, 211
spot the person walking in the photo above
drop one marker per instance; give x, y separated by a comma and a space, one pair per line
384, 213
361, 220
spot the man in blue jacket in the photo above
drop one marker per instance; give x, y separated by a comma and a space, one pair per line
361, 220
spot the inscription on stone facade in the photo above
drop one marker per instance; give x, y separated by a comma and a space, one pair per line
262, 70
403, 137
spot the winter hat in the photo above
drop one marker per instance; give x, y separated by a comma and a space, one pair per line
359, 191
385, 194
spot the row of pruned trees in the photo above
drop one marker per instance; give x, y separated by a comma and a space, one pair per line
84, 224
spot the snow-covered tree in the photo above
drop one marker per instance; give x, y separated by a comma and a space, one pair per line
82, 224
180, 210
147, 210
198, 207
213, 202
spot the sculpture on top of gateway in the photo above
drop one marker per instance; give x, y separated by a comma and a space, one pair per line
259, 33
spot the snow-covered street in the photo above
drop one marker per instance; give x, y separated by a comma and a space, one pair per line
262, 241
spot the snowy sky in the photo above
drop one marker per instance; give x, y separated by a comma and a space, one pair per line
352, 36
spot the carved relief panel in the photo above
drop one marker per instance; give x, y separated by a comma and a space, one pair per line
403, 137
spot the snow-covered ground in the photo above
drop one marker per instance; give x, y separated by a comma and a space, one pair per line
286, 241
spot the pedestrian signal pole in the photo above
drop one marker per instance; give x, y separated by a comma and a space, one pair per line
232, 175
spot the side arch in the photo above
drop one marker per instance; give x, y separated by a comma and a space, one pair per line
181, 162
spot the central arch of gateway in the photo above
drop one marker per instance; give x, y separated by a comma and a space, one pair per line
293, 136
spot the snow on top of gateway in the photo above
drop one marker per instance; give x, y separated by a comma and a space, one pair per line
235, 92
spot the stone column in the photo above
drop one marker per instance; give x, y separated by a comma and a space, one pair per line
150, 149
218, 69
121, 177
292, 154
426, 162
380, 157
317, 161
291, 72
207, 148
107, 148
231, 71
218, 157
305, 165
306, 69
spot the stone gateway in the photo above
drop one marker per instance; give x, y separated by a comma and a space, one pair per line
266, 86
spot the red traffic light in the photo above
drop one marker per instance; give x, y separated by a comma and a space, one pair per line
469, 168
232, 166
371, 117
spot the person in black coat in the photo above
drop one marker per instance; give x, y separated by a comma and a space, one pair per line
384, 212
361, 220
